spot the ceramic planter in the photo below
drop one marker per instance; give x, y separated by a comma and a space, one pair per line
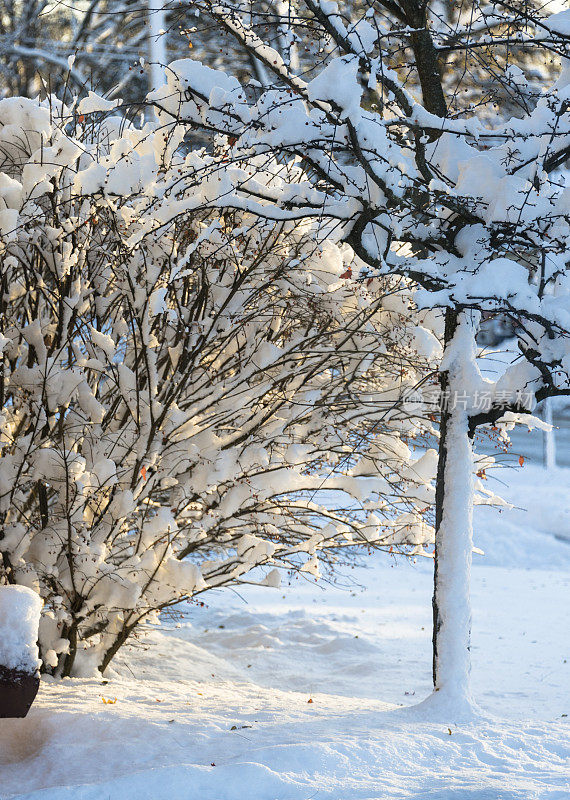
18, 690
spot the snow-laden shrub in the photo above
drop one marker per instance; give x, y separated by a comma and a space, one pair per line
182, 388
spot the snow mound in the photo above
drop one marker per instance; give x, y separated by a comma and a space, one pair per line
20, 610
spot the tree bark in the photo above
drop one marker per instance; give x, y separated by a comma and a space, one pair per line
427, 62
450, 326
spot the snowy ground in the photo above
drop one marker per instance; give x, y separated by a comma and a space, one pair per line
219, 709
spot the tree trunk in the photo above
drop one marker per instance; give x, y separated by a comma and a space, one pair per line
549, 442
454, 516
69, 658
157, 28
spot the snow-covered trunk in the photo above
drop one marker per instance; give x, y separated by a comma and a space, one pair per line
454, 519
549, 442
157, 42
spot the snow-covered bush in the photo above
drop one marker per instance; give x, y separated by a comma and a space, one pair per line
184, 385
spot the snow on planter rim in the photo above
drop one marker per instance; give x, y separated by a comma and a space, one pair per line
20, 610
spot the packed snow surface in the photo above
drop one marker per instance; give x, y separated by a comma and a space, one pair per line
219, 708
20, 610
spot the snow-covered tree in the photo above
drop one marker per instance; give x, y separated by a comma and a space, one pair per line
473, 210
189, 391
111, 46
66, 48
